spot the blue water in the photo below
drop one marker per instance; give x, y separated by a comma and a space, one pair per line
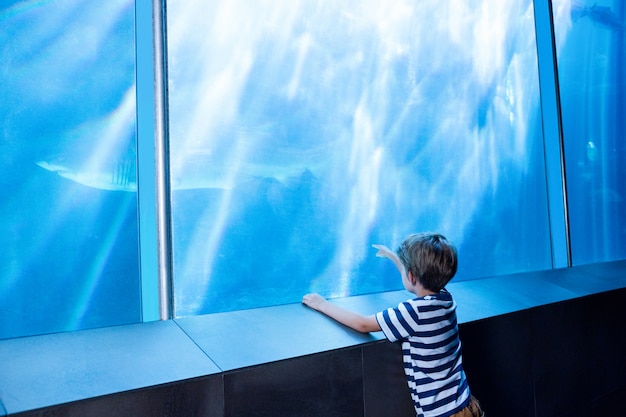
301, 134
326, 128
591, 70
70, 251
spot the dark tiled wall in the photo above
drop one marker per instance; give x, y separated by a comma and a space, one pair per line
580, 356
202, 397
497, 356
566, 359
385, 388
327, 384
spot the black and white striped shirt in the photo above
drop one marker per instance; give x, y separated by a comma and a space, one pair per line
431, 350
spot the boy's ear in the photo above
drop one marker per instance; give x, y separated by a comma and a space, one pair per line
412, 279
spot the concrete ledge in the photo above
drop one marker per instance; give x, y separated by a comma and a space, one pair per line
48, 371
42, 371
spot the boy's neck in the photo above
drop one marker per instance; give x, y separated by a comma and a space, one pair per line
412, 284
420, 291
424, 292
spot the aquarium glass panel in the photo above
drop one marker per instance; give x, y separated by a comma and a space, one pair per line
303, 132
591, 59
68, 215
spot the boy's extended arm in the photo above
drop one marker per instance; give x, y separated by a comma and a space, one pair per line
356, 321
385, 252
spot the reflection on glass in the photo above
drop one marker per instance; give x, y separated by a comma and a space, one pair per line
591, 55
68, 216
303, 132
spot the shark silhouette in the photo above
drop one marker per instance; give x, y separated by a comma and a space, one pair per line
100, 153
121, 175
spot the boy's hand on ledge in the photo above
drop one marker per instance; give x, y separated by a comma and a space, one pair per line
356, 321
314, 301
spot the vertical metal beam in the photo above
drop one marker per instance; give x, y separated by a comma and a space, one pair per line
146, 182
553, 135
162, 161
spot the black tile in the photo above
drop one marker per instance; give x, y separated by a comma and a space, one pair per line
327, 384
202, 397
385, 386
579, 352
561, 357
498, 363
606, 332
611, 404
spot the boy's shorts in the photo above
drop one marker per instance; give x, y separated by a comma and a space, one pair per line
472, 410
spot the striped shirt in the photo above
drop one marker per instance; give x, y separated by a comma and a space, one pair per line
431, 351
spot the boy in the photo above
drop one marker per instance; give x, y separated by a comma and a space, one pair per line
426, 325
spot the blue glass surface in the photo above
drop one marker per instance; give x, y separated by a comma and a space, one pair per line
68, 215
301, 133
591, 57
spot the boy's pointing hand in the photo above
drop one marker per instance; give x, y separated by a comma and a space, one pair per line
383, 251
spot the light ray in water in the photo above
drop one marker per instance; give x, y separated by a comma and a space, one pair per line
197, 263
65, 64
364, 170
21, 8
406, 126
89, 283
57, 43
35, 247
